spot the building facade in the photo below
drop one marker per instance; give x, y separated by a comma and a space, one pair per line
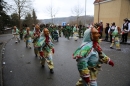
109, 11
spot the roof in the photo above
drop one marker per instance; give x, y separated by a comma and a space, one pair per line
97, 1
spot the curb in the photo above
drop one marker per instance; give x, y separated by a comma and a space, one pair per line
1, 60
1, 57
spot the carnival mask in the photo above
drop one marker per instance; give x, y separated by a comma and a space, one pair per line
46, 32
37, 27
95, 34
28, 29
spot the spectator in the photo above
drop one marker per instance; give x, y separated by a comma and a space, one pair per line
106, 31
124, 30
111, 29
100, 30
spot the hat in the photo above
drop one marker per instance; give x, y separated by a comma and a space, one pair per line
126, 19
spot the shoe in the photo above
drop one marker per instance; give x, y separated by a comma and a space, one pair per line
125, 42
122, 42
36, 55
111, 47
51, 71
118, 49
43, 66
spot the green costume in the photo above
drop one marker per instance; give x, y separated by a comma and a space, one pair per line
28, 38
16, 35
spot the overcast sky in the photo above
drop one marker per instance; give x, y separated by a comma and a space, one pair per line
63, 7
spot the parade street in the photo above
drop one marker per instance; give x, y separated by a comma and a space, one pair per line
22, 68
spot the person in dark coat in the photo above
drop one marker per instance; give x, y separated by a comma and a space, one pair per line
106, 31
125, 30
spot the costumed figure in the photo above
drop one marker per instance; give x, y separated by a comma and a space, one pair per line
33, 28
35, 37
80, 31
28, 37
71, 31
47, 49
115, 38
89, 57
55, 33
63, 30
67, 31
111, 29
59, 30
51, 30
21, 32
15, 33
75, 33
41, 27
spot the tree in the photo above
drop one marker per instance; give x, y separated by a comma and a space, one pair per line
3, 17
52, 11
28, 20
34, 17
77, 10
14, 19
21, 7
4, 20
1, 13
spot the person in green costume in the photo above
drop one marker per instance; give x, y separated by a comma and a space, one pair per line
47, 49
15, 33
89, 57
28, 37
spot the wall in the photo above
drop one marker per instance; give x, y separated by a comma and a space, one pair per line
112, 11
125, 11
109, 12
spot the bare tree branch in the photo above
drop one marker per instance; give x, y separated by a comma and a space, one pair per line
21, 7
51, 11
77, 10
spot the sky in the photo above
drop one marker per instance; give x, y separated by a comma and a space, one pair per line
63, 8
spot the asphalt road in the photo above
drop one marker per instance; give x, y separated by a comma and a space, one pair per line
22, 68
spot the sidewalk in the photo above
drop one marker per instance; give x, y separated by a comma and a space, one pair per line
4, 38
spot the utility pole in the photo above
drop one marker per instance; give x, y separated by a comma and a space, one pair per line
54, 19
85, 12
51, 13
